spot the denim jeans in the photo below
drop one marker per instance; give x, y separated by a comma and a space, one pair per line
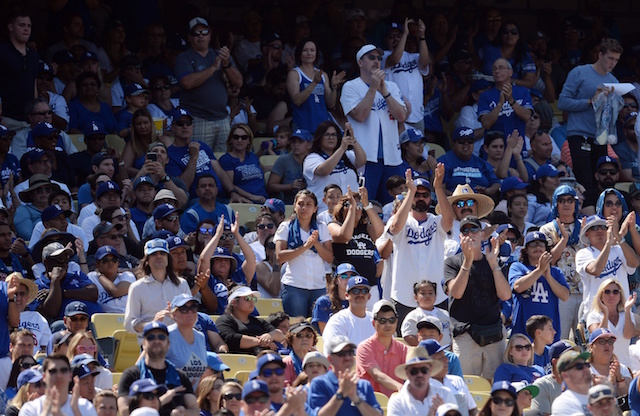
299, 302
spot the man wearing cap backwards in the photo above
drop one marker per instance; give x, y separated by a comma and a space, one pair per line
340, 391
379, 354
603, 257
418, 396
354, 322
374, 107
286, 174
574, 371
474, 282
154, 365
57, 399
199, 71
606, 175
419, 239
550, 385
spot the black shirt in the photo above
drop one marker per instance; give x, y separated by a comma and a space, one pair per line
17, 78
359, 251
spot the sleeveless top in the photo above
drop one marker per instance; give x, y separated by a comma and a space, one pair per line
313, 110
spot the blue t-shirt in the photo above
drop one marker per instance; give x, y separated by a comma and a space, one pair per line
543, 361
247, 174
634, 398
4, 325
475, 171
323, 387
512, 372
507, 120
179, 158
123, 120
492, 52
322, 311
192, 217
139, 217
539, 299
190, 358
79, 116
71, 281
10, 165
455, 368
204, 324
221, 291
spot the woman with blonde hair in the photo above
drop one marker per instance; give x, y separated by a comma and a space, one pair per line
230, 397
30, 387
83, 343
518, 361
208, 394
611, 310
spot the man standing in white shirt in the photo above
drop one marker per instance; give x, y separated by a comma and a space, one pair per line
374, 107
574, 369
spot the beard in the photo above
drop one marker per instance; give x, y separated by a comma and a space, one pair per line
420, 206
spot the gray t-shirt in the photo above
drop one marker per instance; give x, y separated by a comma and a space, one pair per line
190, 358
549, 391
289, 170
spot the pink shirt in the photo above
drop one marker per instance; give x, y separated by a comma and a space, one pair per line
372, 354
289, 372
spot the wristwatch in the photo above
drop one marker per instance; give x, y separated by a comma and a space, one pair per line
368, 207
339, 396
167, 178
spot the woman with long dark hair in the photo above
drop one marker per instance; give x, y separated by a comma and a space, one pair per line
268, 271
87, 107
24, 362
143, 133
510, 46
502, 401
336, 298
334, 159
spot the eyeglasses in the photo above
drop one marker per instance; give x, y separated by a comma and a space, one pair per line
183, 123
86, 348
470, 230
415, 370
610, 204
171, 218
580, 366
330, 135
162, 87
203, 32
611, 291
79, 318
53, 371
121, 217
346, 353
519, 348
605, 341
270, 226
239, 137
250, 298
513, 32
253, 399
423, 194
494, 19
374, 58
632, 105
21, 294
271, 371
506, 402
232, 396
153, 337
567, 200
599, 227
186, 308
25, 365
359, 291
610, 172
275, 46
383, 321
42, 113
468, 203
226, 237
535, 244
206, 230
307, 335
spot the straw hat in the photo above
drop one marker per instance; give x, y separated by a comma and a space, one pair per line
464, 192
32, 288
417, 355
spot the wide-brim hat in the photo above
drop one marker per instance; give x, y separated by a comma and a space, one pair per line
36, 181
592, 221
32, 288
485, 203
417, 355
48, 237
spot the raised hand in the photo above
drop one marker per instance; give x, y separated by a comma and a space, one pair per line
364, 195
194, 149
630, 302
377, 78
466, 245
408, 176
312, 240
235, 228
439, 176
317, 76
338, 79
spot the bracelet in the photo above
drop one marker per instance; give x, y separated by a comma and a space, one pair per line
368, 207
227, 66
466, 269
386, 96
83, 262
497, 269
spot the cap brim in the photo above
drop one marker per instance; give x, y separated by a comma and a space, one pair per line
436, 367
485, 203
341, 346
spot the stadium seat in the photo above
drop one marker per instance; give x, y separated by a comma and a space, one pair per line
268, 306
477, 383
623, 186
439, 150
116, 377
127, 350
320, 344
288, 210
115, 141
214, 318
106, 324
481, 398
266, 177
78, 141
242, 376
383, 400
267, 161
239, 362
248, 214
218, 154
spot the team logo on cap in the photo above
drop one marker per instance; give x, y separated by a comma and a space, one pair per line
177, 240
183, 112
465, 190
169, 206
466, 132
359, 280
94, 126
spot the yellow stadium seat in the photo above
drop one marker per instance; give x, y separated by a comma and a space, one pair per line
106, 324
439, 150
127, 351
383, 400
242, 376
288, 210
115, 141
267, 161
400, 339
481, 398
214, 318
268, 306
218, 155
116, 377
248, 214
320, 344
78, 141
239, 362
477, 383
257, 142
623, 186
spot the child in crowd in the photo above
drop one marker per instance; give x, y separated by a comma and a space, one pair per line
332, 195
540, 330
137, 97
431, 328
395, 185
424, 292
277, 146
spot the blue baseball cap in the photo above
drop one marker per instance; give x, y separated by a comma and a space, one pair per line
463, 133
510, 227
411, 135
83, 359
45, 67
34, 155
274, 204
600, 333
174, 242
561, 346
547, 170
534, 92
357, 281
94, 128
155, 245
88, 55
63, 56
154, 325
105, 251
134, 89
432, 346
346, 268
180, 112
83, 371
422, 182
607, 159
182, 299
302, 134
223, 253
512, 182
161, 234
504, 386
141, 180
534, 236
30, 376
146, 385
76, 308
164, 210
43, 129
267, 359
52, 211
253, 386
105, 187
214, 362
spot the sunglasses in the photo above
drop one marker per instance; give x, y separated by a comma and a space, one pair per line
506, 402
580, 366
344, 276
346, 353
600, 393
415, 370
535, 244
632, 105
109, 259
254, 399
250, 298
374, 58
304, 335
172, 218
605, 341
423, 194
610, 204
78, 318
54, 371
610, 172
599, 227
510, 32
230, 396
162, 87
112, 237
275, 46
468, 203
121, 217
153, 337
269, 226
206, 230
383, 321
239, 137
43, 190
39, 384
186, 309
25, 365
519, 348
87, 348
470, 230
359, 291
203, 32
611, 291
183, 123
271, 371
225, 237
467, 142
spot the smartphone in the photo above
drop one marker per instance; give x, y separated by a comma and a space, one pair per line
361, 181
153, 156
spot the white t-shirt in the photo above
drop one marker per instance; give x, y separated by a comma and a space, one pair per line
59, 106
418, 255
570, 403
409, 324
258, 251
380, 120
307, 270
109, 303
71, 229
461, 392
404, 404
34, 407
621, 346
616, 268
343, 177
469, 118
39, 326
346, 323
407, 75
